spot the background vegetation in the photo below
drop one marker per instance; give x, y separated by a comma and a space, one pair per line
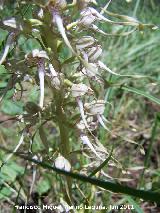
133, 113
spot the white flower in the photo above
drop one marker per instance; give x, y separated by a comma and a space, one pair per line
94, 53
87, 142
87, 18
90, 15
84, 42
79, 90
39, 54
96, 107
90, 70
10, 23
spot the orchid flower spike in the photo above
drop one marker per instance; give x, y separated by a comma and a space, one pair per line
9, 42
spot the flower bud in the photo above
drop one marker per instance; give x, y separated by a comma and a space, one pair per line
62, 163
84, 42
94, 53
96, 107
79, 90
55, 82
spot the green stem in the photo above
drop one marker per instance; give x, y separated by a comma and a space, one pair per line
64, 143
64, 146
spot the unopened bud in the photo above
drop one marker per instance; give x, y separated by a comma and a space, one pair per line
62, 163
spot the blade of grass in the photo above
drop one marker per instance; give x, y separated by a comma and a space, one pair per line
135, 204
103, 164
111, 186
142, 93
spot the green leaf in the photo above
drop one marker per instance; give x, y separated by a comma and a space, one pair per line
2, 69
142, 93
108, 185
12, 108
8, 174
10, 171
43, 186
33, 95
18, 169
135, 204
29, 44
3, 35
5, 192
